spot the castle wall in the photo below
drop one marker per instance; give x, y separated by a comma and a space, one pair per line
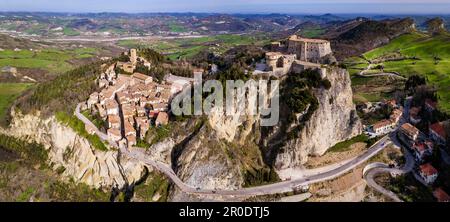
308, 50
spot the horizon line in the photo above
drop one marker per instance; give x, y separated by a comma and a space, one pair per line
227, 13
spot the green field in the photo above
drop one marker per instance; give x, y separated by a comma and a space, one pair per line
312, 32
418, 54
70, 32
188, 47
176, 28
51, 60
8, 93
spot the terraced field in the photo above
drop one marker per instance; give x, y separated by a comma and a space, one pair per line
410, 54
51, 60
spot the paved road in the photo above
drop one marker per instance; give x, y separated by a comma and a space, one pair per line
408, 167
280, 187
371, 174
369, 67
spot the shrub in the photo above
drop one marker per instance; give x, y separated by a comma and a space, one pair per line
34, 152
78, 126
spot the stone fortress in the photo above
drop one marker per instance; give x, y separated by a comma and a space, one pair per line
297, 54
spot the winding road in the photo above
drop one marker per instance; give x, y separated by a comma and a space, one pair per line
369, 67
370, 175
279, 187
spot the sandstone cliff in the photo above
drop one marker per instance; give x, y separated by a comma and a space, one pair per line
334, 121
73, 153
223, 152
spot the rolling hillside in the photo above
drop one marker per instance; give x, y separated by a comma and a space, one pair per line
415, 53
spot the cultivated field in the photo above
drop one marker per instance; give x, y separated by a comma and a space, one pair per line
51, 60
411, 54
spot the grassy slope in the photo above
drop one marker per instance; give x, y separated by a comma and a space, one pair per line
312, 32
8, 93
52, 60
425, 48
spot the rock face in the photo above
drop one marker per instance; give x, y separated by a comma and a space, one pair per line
334, 121
435, 25
73, 153
204, 163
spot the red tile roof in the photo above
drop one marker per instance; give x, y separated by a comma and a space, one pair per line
409, 129
140, 76
431, 103
428, 169
381, 124
419, 146
439, 129
441, 195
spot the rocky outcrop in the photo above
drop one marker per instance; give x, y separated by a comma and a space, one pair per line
205, 163
72, 153
334, 121
435, 25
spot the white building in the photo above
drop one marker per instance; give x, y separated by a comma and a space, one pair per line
437, 132
428, 173
383, 127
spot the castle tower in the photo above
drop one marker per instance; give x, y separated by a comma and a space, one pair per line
133, 56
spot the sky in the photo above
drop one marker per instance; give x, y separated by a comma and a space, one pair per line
233, 6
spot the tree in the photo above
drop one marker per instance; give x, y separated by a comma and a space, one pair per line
413, 82
447, 133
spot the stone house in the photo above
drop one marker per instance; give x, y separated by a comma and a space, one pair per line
409, 133
428, 173
141, 78
114, 121
421, 150
162, 119
437, 133
93, 99
441, 195
112, 107
382, 127
114, 134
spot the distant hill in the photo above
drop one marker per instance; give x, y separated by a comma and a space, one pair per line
86, 24
359, 36
307, 29
8, 42
417, 54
